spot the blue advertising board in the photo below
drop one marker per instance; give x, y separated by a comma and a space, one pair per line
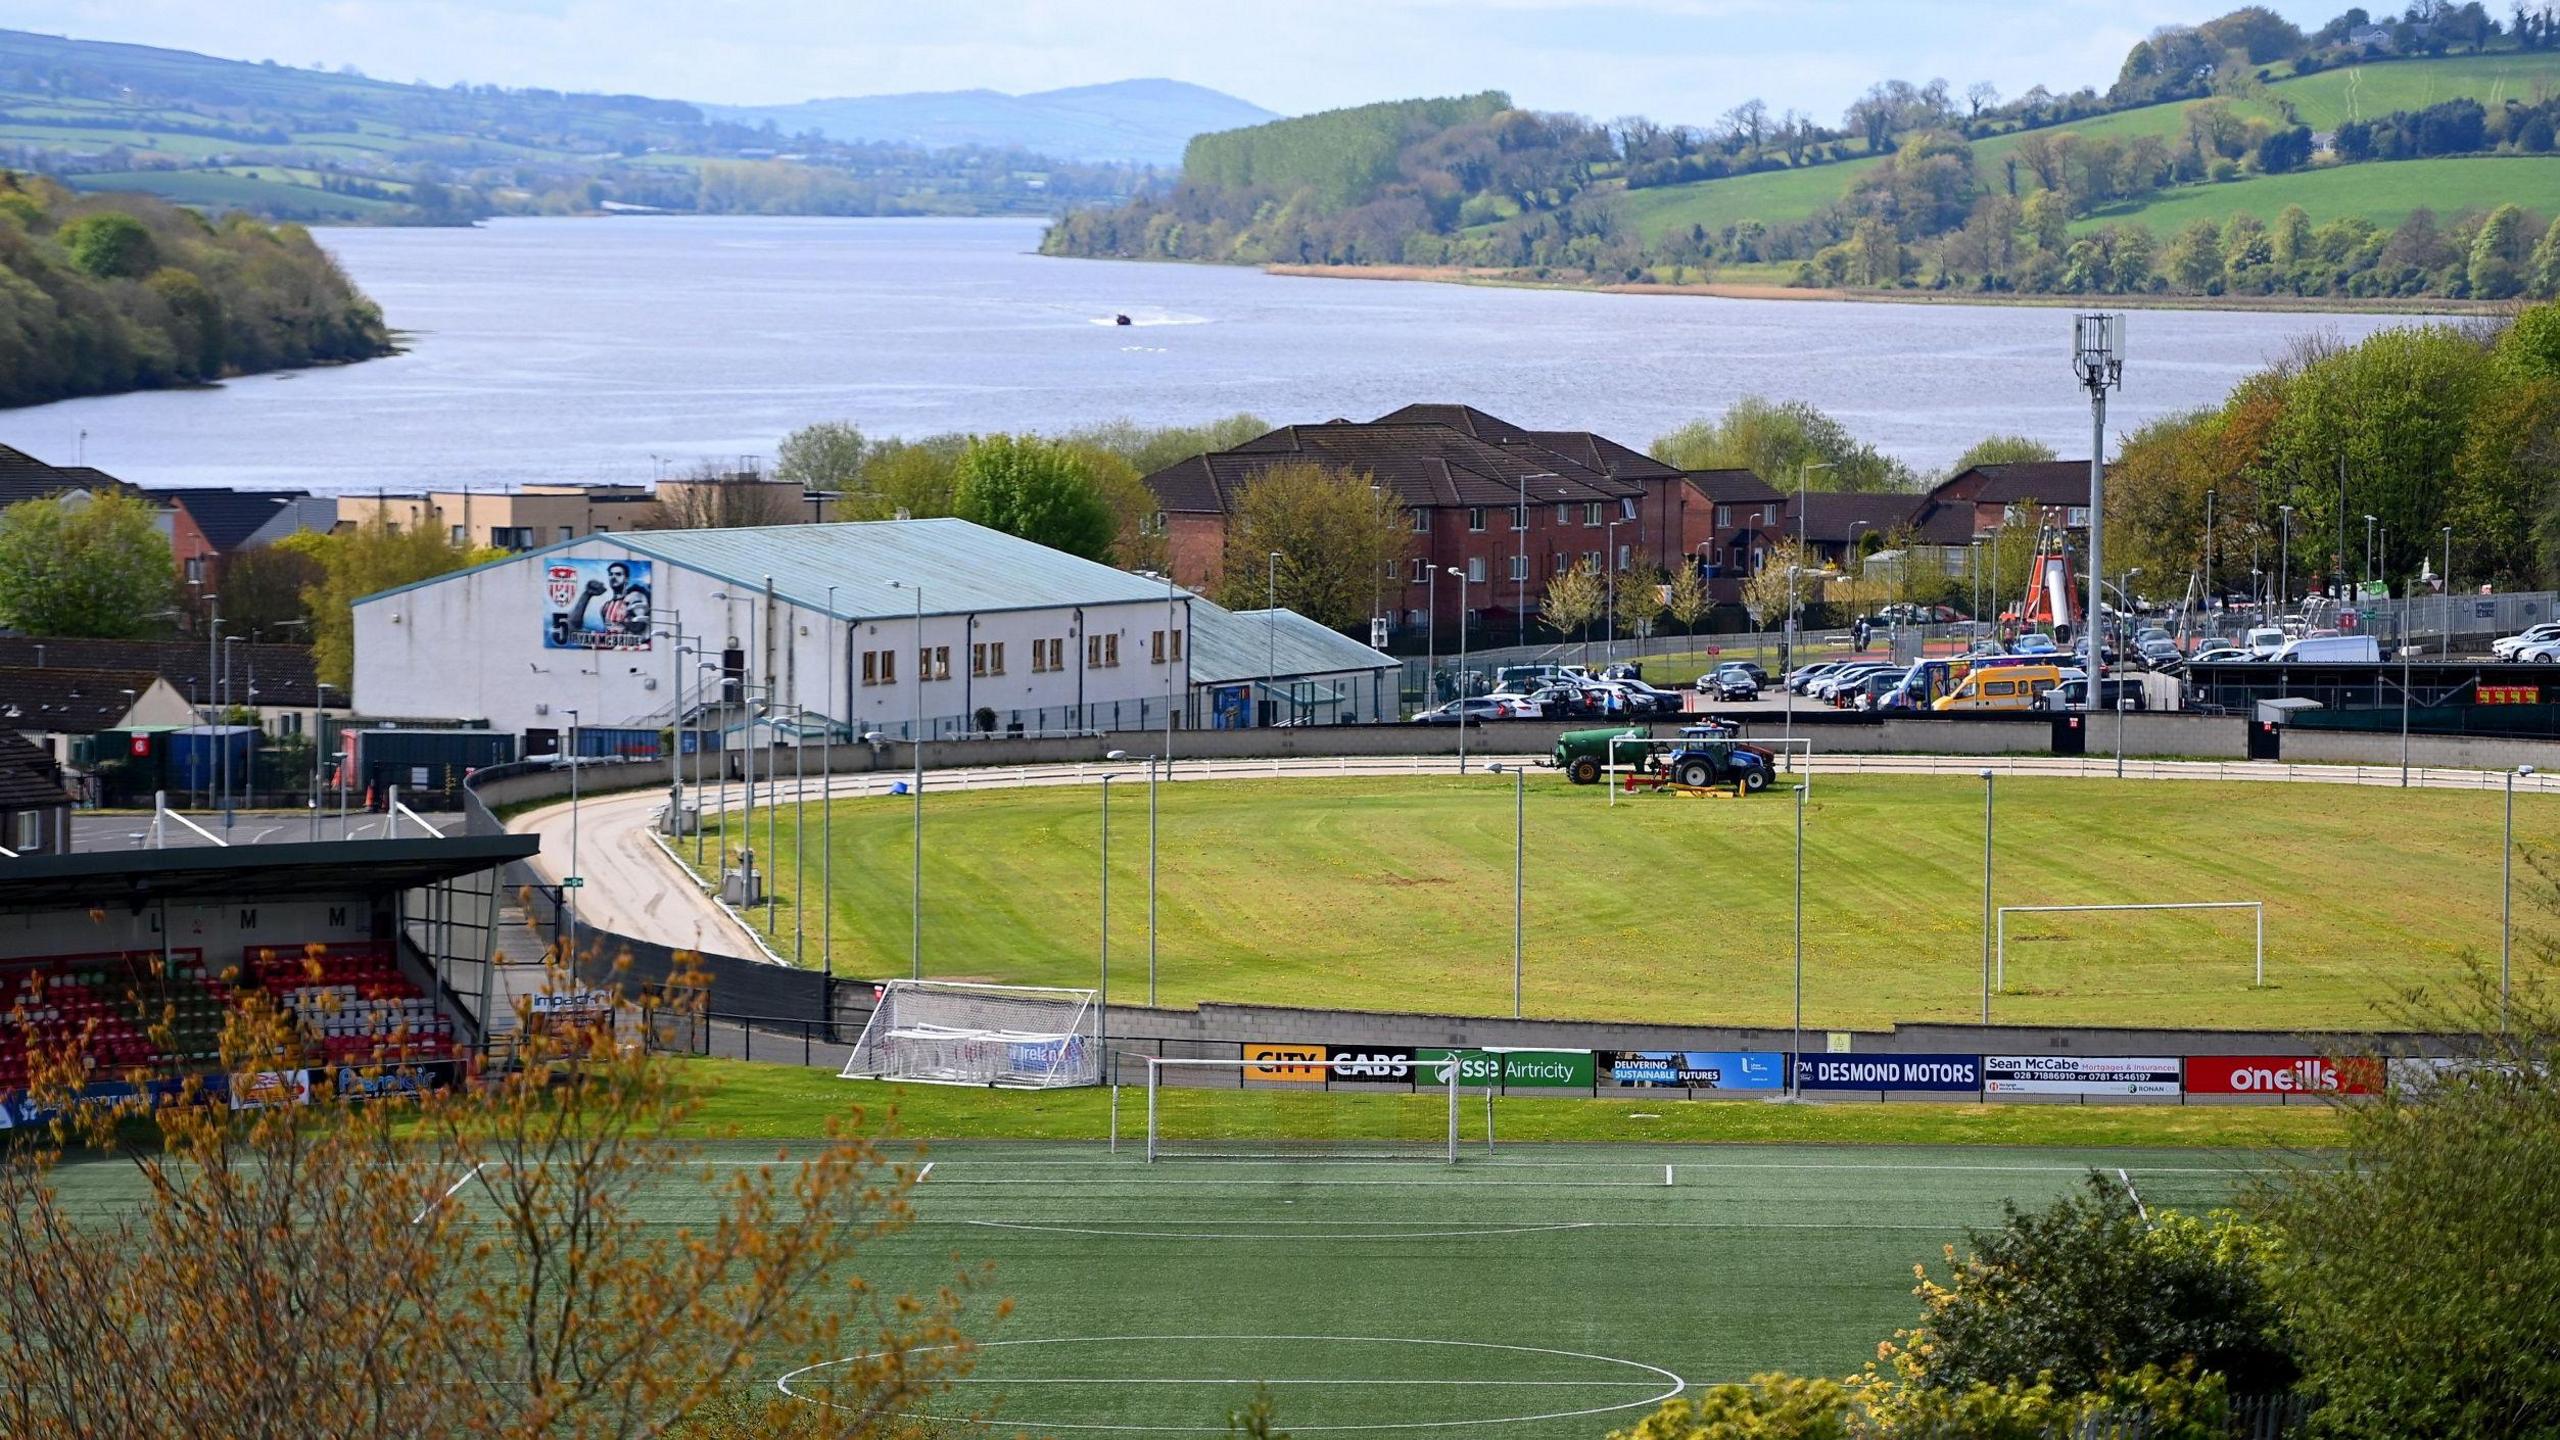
1701, 1069
1889, 1072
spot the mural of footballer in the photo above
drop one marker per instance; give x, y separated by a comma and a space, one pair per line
621, 622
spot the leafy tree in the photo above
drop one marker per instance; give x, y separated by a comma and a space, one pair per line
263, 589
2088, 1289
1150, 448
1775, 441
2422, 1271
110, 245
308, 1270
1574, 599
917, 478
1687, 598
1137, 542
1340, 541
825, 456
2000, 450
2498, 254
715, 499
97, 567
374, 556
1640, 599
1782, 578
1035, 489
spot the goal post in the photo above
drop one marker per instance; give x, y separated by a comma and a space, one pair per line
946, 1032
2256, 908
1301, 1107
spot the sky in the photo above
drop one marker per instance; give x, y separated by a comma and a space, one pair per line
1678, 61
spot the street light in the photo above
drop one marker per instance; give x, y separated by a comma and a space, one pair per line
319, 737
1462, 667
1804, 472
1795, 1057
915, 787
1609, 538
746, 708
827, 814
1154, 768
1519, 872
2368, 547
222, 749
2097, 357
2284, 561
1987, 778
570, 887
2507, 896
1270, 628
1103, 1002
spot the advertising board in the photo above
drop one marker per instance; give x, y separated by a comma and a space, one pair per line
1515, 1069
596, 604
1342, 1064
1699, 1069
1299, 1063
2080, 1075
259, 1089
1939, 1073
2280, 1075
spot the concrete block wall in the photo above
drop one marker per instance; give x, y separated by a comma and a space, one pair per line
2463, 752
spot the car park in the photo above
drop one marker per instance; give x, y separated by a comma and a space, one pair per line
1730, 682
2505, 648
1474, 710
1802, 676
1870, 693
1838, 680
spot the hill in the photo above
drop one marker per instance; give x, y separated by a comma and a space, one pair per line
1142, 122
320, 145
2380, 195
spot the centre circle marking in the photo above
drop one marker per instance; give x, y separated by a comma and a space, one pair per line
1654, 1373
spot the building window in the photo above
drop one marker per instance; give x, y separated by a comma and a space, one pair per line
1156, 647
1626, 553
30, 831
1177, 647
568, 533
458, 537
995, 658
1417, 570
1591, 558
1421, 521
1564, 514
933, 662
1111, 648
195, 569
1475, 569
888, 667
1057, 655
1039, 657
1626, 507
1724, 517
1768, 514
1159, 523
870, 667
1519, 567
1475, 517
1519, 517
1102, 651
1591, 513
978, 659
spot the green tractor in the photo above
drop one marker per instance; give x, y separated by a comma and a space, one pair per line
1708, 755
1583, 755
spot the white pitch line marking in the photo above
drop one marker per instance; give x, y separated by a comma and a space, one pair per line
922, 1174
2138, 1207
467, 1177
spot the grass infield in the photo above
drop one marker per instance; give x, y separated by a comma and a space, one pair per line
1394, 893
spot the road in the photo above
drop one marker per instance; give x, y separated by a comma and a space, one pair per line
635, 889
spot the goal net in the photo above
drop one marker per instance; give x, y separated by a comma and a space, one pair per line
1386, 1106
948, 1033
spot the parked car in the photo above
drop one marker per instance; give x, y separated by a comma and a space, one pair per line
1653, 701
1730, 682
2219, 655
2112, 693
2034, 645
1519, 706
2541, 652
1831, 684
1870, 693
1474, 710
2159, 653
1758, 676
2505, 648
1802, 676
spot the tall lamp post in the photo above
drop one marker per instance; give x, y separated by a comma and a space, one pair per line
1519, 873
2367, 572
222, 749
2284, 561
1462, 667
1103, 1004
747, 716
1795, 1056
1804, 472
1987, 779
2097, 357
319, 737
2507, 896
1609, 538
915, 787
1271, 631
1154, 768
827, 817
573, 882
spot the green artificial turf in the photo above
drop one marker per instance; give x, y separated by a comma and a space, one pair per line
1394, 893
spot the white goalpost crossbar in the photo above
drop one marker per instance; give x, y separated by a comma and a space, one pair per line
2000, 947
1286, 1074
945, 1032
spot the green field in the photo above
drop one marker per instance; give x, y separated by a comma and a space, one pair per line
1395, 894
1773, 197
1562, 1289
2382, 192
223, 189
2367, 92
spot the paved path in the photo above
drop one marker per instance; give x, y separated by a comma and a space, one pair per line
634, 889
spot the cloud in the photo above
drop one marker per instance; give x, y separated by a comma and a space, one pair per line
1677, 60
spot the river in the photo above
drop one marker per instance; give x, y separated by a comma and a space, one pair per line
605, 349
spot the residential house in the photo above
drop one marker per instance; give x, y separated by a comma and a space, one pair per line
24, 477
1729, 525
35, 809
2057, 490
279, 682
52, 705
1505, 508
206, 527
1837, 526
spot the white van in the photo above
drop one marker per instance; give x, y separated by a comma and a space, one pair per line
2336, 649
2263, 642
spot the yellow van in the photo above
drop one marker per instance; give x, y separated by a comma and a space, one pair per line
2002, 687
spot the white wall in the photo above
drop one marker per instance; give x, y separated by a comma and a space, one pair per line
471, 647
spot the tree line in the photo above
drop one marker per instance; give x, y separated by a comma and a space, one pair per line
107, 293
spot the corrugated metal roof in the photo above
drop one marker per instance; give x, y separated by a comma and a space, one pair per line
964, 568
1232, 645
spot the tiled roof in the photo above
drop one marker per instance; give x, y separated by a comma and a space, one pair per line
227, 517
282, 674
1732, 487
2035, 482
24, 477
1831, 516
1465, 419
29, 780
1232, 645
1421, 464
63, 701
1599, 452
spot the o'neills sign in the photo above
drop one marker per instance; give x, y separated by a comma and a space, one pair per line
2281, 1075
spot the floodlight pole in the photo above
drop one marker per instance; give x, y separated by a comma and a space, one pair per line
2507, 897
1795, 1057
1794, 660
569, 891
1103, 1002
1987, 780
915, 787
1271, 628
2284, 562
827, 818
2097, 357
1519, 875
1462, 667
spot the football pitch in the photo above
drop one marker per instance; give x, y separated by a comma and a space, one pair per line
1540, 1290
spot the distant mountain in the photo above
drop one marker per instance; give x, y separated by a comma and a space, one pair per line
1147, 121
